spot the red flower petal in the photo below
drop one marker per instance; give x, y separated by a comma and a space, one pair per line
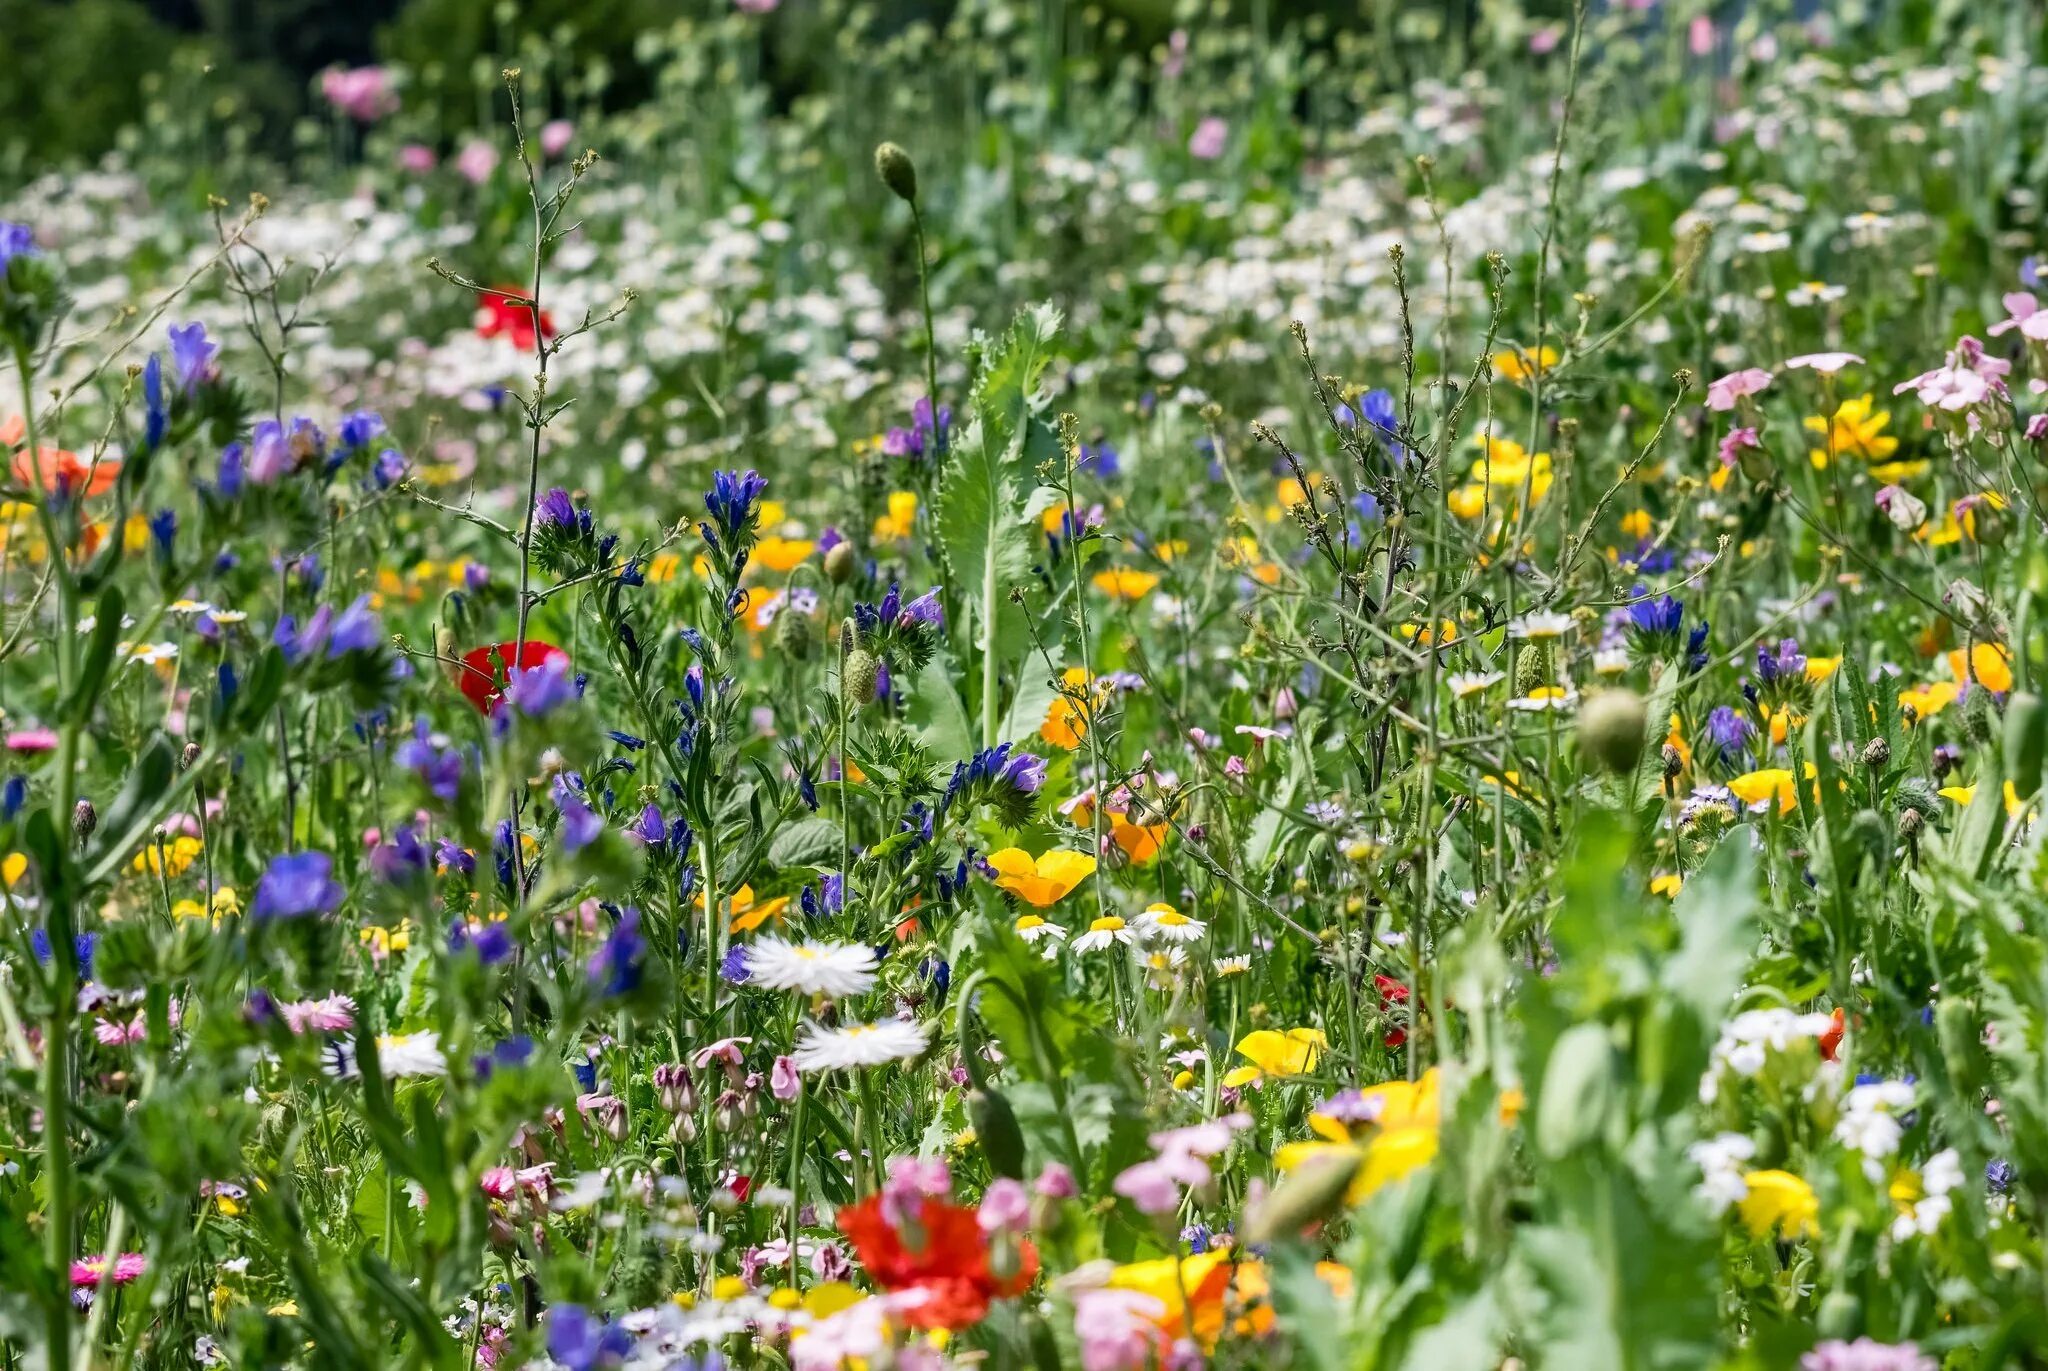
485, 670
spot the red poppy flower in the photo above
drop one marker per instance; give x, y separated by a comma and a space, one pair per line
485, 670
56, 471
949, 1263
1392, 995
1831, 1037
505, 313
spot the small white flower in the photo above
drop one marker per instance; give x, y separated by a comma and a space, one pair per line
411, 1054
1541, 625
811, 968
150, 654
1169, 925
1464, 684
1032, 928
851, 1046
1233, 966
1102, 933
1561, 699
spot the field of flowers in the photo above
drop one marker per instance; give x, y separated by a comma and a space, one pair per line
1297, 698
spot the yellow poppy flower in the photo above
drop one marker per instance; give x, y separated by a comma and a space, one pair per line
1779, 1201
1272, 1053
782, 554
897, 524
1667, 885
1140, 842
1988, 664
1929, 700
744, 913
1963, 794
1066, 719
1520, 364
1124, 583
1041, 881
1757, 787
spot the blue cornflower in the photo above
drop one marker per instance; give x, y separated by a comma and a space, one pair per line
296, 885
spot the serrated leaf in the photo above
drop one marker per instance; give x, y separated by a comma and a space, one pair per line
812, 842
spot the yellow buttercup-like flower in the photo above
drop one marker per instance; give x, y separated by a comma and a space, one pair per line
1780, 1202
897, 524
783, 554
1857, 430
1520, 364
1272, 1053
1124, 583
1041, 881
1986, 664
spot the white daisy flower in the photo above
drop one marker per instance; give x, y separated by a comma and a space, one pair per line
1102, 933
1610, 661
811, 968
1167, 924
1465, 684
1034, 929
1540, 625
1233, 966
411, 1054
189, 606
1559, 698
150, 654
851, 1046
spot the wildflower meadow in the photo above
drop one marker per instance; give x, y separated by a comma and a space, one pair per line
1244, 686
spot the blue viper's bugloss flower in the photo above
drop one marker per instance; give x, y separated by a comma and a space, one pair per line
400, 858
616, 967
538, 691
1783, 662
390, 466
581, 1342
438, 768
515, 1051
734, 967
358, 429
297, 885
1728, 734
192, 356
156, 414
356, 629
16, 240
454, 856
1661, 616
13, 796
580, 824
229, 479
732, 500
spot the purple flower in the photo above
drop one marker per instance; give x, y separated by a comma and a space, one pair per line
356, 629
926, 610
732, 500
401, 859
554, 509
1786, 663
583, 1343
540, 690
16, 240
296, 885
455, 857
1865, 1355
580, 824
616, 966
270, 456
192, 357
359, 428
439, 769
1728, 734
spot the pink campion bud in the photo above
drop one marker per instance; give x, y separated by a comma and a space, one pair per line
1056, 1182
673, 1088
497, 1182
1005, 1207
1701, 36
1206, 143
783, 1081
416, 158
555, 135
2037, 429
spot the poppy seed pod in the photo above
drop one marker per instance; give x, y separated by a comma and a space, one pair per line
897, 171
793, 634
857, 676
1611, 729
840, 563
1311, 1194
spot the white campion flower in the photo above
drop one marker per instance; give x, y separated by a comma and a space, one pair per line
1748, 1039
1722, 1160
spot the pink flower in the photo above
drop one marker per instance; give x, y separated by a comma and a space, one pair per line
1056, 1182
1005, 1206
331, 1014
32, 740
1722, 394
1700, 37
116, 1034
725, 1051
123, 1270
1826, 363
416, 158
498, 1182
476, 161
555, 135
912, 1180
1205, 1139
1176, 54
1206, 142
2027, 316
783, 1081
2037, 429
755, 6
1117, 1329
1966, 378
1733, 444
1543, 41
364, 94
1151, 1187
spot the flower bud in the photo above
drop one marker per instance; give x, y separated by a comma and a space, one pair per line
1532, 668
188, 756
1313, 1192
84, 819
857, 676
897, 171
1876, 753
1611, 729
840, 563
793, 634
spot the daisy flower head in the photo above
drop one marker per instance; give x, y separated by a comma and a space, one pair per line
850, 1047
1035, 929
1561, 699
1103, 932
1167, 924
1465, 684
1541, 625
810, 967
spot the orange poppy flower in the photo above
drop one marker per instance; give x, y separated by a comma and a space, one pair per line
53, 469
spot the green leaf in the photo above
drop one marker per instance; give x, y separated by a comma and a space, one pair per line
99, 656
934, 709
813, 842
1716, 912
1578, 1080
986, 494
